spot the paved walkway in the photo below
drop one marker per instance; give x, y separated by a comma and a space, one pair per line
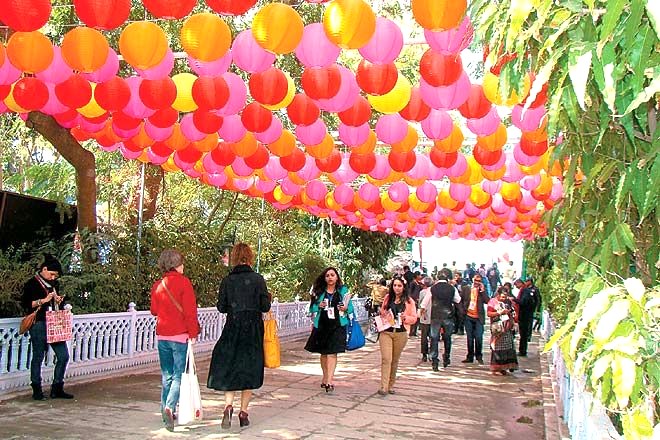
460, 402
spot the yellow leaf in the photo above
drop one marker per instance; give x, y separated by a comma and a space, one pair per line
610, 320
623, 379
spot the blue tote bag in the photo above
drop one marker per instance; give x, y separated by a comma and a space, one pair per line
354, 335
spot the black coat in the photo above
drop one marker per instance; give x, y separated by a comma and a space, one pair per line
237, 362
34, 290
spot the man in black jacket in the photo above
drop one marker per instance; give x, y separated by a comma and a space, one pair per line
528, 300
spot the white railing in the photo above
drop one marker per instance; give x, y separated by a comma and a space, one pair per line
104, 343
584, 415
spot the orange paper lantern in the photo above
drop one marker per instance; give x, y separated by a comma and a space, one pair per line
30, 52
437, 15
85, 49
205, 37
143, 44
277, 28
349, 24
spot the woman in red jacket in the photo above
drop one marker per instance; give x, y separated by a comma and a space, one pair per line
174, 304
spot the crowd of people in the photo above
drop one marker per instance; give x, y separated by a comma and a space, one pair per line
438, 306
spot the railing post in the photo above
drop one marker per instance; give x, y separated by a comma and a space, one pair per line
131, 329
69, 347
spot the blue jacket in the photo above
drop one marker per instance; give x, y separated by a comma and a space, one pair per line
314, 308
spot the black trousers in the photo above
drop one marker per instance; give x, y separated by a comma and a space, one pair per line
425, 340
525, 324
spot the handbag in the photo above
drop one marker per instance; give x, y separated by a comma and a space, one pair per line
354, 336
190, 398
59, 325
28, 321
372, 331
271, 342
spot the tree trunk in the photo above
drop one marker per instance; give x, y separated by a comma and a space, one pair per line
153, 179
83, 162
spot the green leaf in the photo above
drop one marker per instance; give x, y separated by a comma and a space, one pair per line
579, 67
622, 189
610, 19
623, 231
519, 10
623, 379
646, 94
610, 320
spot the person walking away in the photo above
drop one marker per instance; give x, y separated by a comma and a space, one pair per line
502, 348
442, 299
464, 292
393, 339
425, 318
527, 304
40, 293
475, 318
174, 305
408, 275
237, 362
538, 307
468, 273
494, 277
330, 318
414, 290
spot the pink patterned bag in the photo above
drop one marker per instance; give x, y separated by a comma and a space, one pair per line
59, 326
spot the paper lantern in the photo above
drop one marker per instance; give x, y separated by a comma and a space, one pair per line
278, 28
25, 15
495, 141
440, 70
249, 55
451, 41
158, 93
211, 68
487, 125
102, 14
75, 92
321, 82
112, 95
402, 162
170, 9
30, 93
85, 49
232, 129
438, 14
358, 114
330, 163
92, 109
476, 106
437, 125
231, 7
322, 149
143, 44
258, 159
362, 163
532, 148
416, 109
31, 52
385, 44
446, 97
294, 161
392, 128
256, 118
268, 87
303, 110
312, 134
486, 157
530, 119
442, 159
210, 93
246, 146
353, 136
184, 101
206, 122
349, 24
348, 92
376, 79
368, 146
238, 94
409, 141
395, 100
205, 37
452, 142
315, 49
288, 97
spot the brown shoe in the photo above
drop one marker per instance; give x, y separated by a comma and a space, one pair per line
243, 419
382, 392
226, 417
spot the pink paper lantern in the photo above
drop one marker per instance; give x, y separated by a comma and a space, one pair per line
58, 71
237, 95
345, 173
241, 168
248, 55
129, 154
108, 70
274, 170
522, 158
421, 169
382, 168
189, 129
91, 127
309, 171
312, 134
426, 192
53, 105
315, 49
398, 192
157, 133
289, 188
459, 167
316, 190
211, 68
447, 97
160, 70
369, 192
125, 133
135, 107
491, 187
353, 136
210, 165
343, 194
485, 126
437, 125
391, 128
513, 172
111, 148
9, 74
156, 159
459, 192
530, 182
385, 43
265, 186
272, 133
527, 120
345, 97
451, 41
232, 129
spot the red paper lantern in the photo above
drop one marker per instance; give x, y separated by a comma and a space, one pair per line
164, 117
102, 14
160, 149
258, 159
256, 118
485, 157
4, 91
321, 82
533, 148
294, 161
357, 114
157, 93
440, 70
268, 87
30, 93
376, 79
231, 7
223, 155
362, 163
74, 92
169, 8
124, 122
189, 154
331, 163
210, 93
25, 15
113, 94
302, 110
402, 162
441, 159
477, 105
206, 121
416, 109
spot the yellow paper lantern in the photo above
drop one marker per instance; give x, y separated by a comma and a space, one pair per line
349, 24
205, 36
170, 166
11, 103
494, 175
143, 44
437, 15
510, 191
184, 101
92, 109
389, 204
277, 28
394, 100
444, 199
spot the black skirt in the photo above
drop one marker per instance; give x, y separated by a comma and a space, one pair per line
328, 338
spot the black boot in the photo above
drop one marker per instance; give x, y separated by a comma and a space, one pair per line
57, 392
37, 392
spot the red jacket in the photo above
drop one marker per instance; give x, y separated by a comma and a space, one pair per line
170, 321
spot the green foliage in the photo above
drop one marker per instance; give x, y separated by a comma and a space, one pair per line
613, 338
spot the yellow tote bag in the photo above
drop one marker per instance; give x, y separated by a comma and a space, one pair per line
271, 342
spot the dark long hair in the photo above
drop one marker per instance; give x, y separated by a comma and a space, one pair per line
392, 296
319, 287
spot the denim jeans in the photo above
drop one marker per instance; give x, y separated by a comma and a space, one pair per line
475, 338
39, 349
172, 357
447, 330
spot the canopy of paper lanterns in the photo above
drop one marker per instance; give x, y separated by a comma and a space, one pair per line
265, 137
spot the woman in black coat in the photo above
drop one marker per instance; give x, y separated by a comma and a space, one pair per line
237, 363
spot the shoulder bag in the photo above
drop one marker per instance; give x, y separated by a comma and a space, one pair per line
28, 321
174, 301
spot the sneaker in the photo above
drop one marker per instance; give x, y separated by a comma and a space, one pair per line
435, 366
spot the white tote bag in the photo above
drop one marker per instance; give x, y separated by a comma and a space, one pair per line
190, 398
